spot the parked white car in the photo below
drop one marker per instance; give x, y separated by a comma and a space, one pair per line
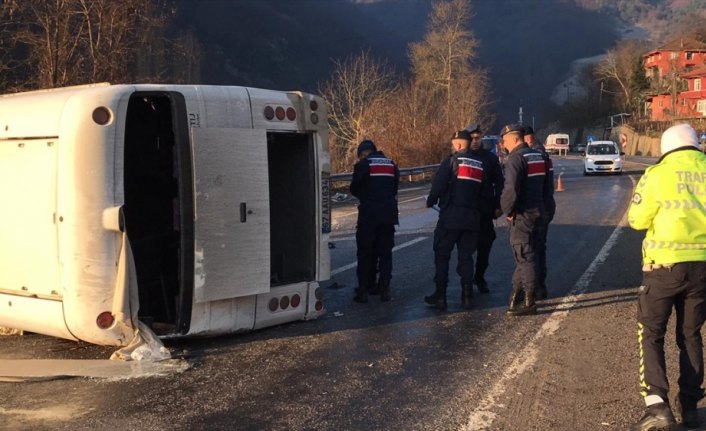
602, 157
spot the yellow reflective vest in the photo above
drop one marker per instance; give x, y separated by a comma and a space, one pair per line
670, 202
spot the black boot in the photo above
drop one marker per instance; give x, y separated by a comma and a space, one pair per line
361, 294
689, 415
481, 284
438, 298
515, 300
657, 417
526, 309
466, 295
384, 288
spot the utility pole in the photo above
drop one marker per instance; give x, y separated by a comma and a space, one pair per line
520, 113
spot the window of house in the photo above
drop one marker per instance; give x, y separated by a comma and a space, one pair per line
697, 84
689, 55
701, 106
660, 104
673, 55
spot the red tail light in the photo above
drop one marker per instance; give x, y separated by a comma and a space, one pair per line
273, 304
105, 320
296, 300
284, 302
291, 114
101, 116
269, 112
319, 306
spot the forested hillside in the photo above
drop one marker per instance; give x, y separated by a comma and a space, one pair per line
526, 46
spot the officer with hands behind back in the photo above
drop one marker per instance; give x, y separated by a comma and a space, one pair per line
668, 202
456, 188
375, 183
522, 201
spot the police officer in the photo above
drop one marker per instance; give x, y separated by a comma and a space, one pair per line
549, 210
522, 201
375, 182
492, 188
456, 189
668, 202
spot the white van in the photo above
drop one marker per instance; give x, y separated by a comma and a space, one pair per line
189, 209
602, 157
557, 143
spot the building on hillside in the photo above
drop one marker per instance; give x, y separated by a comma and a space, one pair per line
675, 57
695, 97
678, 74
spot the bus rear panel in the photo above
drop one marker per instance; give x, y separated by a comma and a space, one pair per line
222, 202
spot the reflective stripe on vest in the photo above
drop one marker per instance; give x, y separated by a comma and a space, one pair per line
535, 164
381, 167
470, 169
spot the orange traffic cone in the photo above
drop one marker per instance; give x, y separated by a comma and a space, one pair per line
559, 184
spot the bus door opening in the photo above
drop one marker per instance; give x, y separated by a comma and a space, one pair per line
158, 208
293, 212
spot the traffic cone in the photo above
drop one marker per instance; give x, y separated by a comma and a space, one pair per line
559, 185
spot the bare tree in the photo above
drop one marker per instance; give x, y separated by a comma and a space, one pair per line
616, 71
441, 63
358, 84
81, 41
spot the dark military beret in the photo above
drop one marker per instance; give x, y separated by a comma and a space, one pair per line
529, 130
366, 145
512, 128
462, 134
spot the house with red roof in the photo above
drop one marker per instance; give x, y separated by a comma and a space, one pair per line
678, 72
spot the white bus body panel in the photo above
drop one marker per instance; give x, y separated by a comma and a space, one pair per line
61, 287
232, 213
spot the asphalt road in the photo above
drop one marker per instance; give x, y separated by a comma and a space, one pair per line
398, 365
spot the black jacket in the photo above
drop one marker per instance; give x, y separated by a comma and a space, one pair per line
549, 203
457, 189
375, 182
525, 176
492, 186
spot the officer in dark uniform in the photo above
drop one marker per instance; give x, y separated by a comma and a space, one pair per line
522, 201
375, 182
456, 188
549, 210
492, 188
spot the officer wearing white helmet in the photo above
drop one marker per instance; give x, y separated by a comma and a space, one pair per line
669, 203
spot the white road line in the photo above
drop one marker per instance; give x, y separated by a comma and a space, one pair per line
413, 199
483, 417
398, 247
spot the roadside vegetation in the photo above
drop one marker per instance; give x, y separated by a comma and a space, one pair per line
409, 107
411, 114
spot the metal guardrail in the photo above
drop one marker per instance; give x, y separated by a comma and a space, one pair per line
403, 172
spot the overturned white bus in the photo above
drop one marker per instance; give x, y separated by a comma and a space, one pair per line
193, 209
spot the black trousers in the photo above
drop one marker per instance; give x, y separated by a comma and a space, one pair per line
466, 242
541, 251
374, 242
486, 236
523, 240
682, 287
